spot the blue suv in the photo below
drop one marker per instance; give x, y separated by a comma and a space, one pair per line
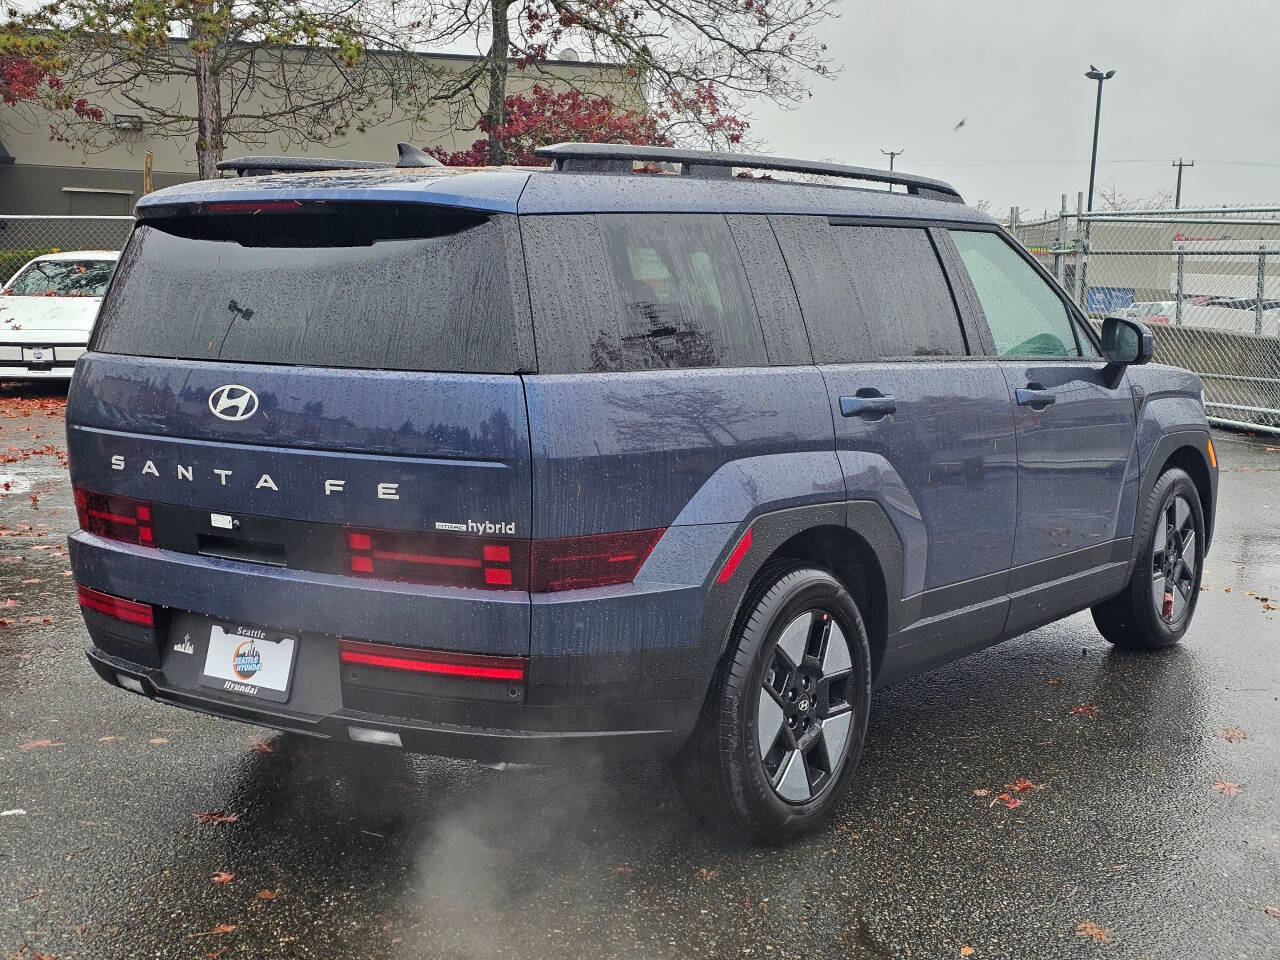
647, 453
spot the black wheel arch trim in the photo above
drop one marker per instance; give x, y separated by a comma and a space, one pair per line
865, 519
1165, 448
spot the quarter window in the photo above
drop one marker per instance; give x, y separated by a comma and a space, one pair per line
1027, 318
870, 292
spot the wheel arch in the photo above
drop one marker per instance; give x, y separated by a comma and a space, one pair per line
1189, 451
854, 541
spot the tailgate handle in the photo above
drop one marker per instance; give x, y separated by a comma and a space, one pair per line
868, 403
248, 551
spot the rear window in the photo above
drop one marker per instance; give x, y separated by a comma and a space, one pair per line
639, 292
378, 288
63, 278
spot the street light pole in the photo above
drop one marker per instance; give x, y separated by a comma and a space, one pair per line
891, 154
1095, 74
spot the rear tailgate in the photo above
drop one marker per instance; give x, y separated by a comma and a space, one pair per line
258, 473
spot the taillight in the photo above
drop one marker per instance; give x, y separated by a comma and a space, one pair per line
119, 518
471, 666
438, 559
118, 608
542, 566
593, 561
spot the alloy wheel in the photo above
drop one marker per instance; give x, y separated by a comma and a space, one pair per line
804, 715
1173, 561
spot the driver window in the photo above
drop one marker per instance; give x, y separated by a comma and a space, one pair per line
1027, 318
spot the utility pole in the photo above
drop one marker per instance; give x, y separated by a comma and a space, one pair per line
1177, 196
891, 154
1095, 74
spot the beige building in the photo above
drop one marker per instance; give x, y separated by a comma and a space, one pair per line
39, 175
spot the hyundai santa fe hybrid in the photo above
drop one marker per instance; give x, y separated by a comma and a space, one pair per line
588, 461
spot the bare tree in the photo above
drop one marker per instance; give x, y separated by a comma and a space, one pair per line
695, 63
1110, 197
303, 72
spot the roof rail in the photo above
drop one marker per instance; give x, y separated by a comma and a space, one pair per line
617, 157
407, 156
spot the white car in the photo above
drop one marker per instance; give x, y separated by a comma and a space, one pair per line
47, 311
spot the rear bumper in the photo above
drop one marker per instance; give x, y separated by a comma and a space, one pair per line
612, 673
486, 744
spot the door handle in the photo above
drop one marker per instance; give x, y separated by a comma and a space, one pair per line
1035, 396
868, 403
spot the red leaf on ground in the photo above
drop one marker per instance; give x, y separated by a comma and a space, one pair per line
224, 928
268, 894
1233, 734
1009, 800
1271, 911
1227, 787
981, 792
262, 746
215, 816
36, 744
1022, 785
222, 876
1087, 929
1084, 710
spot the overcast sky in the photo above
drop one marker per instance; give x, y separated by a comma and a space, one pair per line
1194, 78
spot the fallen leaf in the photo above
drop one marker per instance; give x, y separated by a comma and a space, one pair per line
224, 928
262, 746
1022, 785
1009, 800
222, 876
1233, 734
706, 873
966, 951
157, 740
1271, 911
623, 870
36, 744
109, 739
213, 816
1227, 787
268, 894
1226, 589
981, 792
1083, 710
1090, 930
1054, 681
215, 954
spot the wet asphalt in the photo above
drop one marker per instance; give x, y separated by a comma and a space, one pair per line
1149, 823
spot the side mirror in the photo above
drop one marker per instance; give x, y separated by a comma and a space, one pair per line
1126, 342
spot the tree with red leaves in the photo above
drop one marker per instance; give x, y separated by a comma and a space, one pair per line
545, 116
28, 74
694, 64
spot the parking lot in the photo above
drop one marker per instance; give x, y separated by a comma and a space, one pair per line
1048, 797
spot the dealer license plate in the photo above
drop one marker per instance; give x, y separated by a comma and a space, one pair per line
249, 661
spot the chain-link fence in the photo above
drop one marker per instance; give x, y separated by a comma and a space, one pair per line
24, 237
1207, 282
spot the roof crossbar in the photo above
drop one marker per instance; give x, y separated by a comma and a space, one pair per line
617, 157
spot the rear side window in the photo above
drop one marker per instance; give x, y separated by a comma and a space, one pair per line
376, 287
870, 292
639, 292
1026, 316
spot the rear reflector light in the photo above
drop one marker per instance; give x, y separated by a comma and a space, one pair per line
386, 738
595, 561
542, 566
439, 662
735, 558
438, 559
129, 611
118, 518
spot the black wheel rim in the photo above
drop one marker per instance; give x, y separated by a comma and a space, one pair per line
804, 716
1173, 561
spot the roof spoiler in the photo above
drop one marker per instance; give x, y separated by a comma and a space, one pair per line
407, 156
619, 158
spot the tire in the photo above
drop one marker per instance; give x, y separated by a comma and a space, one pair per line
1157, 604
772, 765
